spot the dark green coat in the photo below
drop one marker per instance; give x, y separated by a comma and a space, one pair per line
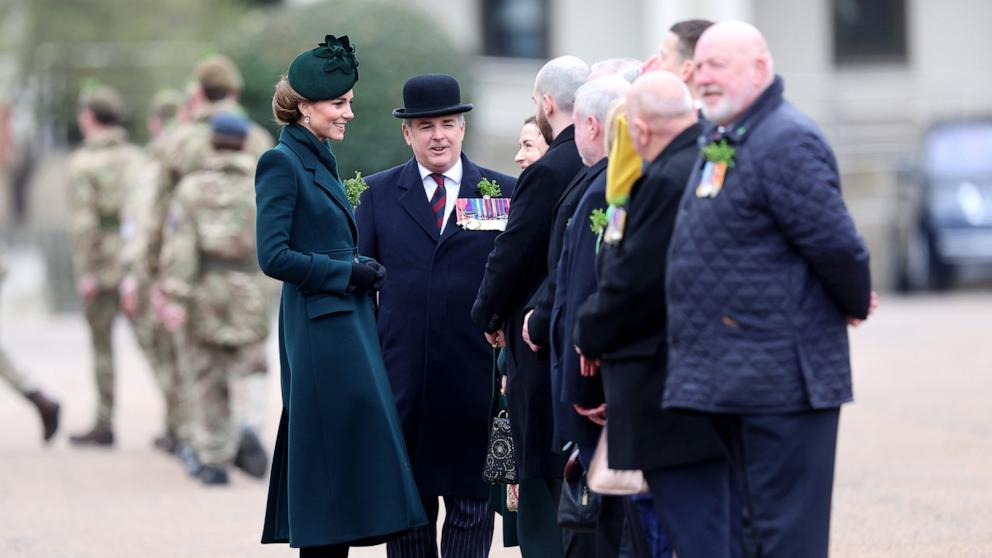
340, 471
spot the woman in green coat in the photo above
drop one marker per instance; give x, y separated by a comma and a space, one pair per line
340, 472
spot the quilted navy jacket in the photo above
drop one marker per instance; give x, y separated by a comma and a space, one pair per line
762, 277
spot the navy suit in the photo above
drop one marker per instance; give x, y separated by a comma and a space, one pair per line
437, 359
575, 280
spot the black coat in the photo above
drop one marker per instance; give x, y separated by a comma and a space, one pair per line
438, 361
624, 324
515, 270
539, 324
575, 281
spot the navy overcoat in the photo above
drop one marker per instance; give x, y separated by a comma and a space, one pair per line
438, 361
340, 472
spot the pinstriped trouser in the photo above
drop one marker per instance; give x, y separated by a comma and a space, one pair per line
467, 531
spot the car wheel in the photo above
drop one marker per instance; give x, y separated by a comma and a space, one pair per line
924, 270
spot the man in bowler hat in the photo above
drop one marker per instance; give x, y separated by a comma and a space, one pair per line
438, 361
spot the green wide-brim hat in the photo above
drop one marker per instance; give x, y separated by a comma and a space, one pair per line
326, 72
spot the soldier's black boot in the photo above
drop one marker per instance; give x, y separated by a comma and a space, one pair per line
100, 435
212, 476
48, 409
251, 457
188, 458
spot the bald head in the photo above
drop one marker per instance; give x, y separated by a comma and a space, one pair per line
560, 78
733, 68
659, 107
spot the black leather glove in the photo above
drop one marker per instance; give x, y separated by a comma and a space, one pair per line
367, 276
362, 277
380, 274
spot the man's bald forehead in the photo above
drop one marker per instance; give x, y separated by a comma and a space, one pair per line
735, 36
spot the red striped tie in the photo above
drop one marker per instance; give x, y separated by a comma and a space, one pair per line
439, 200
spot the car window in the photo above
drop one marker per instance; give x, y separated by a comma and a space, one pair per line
959, 150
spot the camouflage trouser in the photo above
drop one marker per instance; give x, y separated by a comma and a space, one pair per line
100, 312
14, 377
159, 347
216, 381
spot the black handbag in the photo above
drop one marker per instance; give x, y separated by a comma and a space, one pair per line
578, 509
501, 463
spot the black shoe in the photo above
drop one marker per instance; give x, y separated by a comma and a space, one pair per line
188, 458
166, 442
49, 411
100, 435
212, 476
251, 457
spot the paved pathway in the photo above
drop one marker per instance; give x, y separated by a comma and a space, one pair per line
914, 475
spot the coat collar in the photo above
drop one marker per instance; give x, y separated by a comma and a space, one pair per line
565, 136
685, 138
299, 141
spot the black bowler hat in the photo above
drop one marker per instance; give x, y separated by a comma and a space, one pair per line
431, 95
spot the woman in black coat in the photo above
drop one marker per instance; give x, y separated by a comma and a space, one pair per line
340, 473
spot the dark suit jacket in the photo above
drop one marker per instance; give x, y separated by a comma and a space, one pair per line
624, 324
575, 280
516, 268
339, 435
438, 361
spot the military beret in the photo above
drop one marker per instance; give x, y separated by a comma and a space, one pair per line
102, 99
326, 72
229, 124
218, 72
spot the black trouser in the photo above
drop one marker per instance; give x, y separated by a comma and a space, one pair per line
785, 467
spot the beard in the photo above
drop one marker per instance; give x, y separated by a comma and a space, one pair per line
545, 127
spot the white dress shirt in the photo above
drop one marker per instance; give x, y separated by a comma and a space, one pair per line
452, 182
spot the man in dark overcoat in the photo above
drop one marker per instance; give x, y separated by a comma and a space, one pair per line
516, 268
766, 270
439, 364
622, 325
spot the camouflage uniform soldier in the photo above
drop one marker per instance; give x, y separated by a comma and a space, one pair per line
218, 84
48, 409
100, 173
135, 289
218, 300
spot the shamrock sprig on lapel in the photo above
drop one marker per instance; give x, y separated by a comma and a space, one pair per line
598, 220
720, 152
489, 188
354, 187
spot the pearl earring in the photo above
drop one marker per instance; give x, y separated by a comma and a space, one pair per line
306, 119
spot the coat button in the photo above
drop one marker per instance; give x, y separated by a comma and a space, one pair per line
729, 322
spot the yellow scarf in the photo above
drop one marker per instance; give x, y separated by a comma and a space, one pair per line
624, 166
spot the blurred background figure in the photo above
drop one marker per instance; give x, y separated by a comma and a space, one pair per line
533, 144
217, 298
186, 148
144, 195
99, 174
48, 408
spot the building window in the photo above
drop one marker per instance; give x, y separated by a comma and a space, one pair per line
515, 28
867, 31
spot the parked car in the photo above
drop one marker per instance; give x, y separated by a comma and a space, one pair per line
943, 216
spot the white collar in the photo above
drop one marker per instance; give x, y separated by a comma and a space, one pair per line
453, 174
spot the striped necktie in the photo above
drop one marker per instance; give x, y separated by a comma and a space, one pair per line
439, 200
